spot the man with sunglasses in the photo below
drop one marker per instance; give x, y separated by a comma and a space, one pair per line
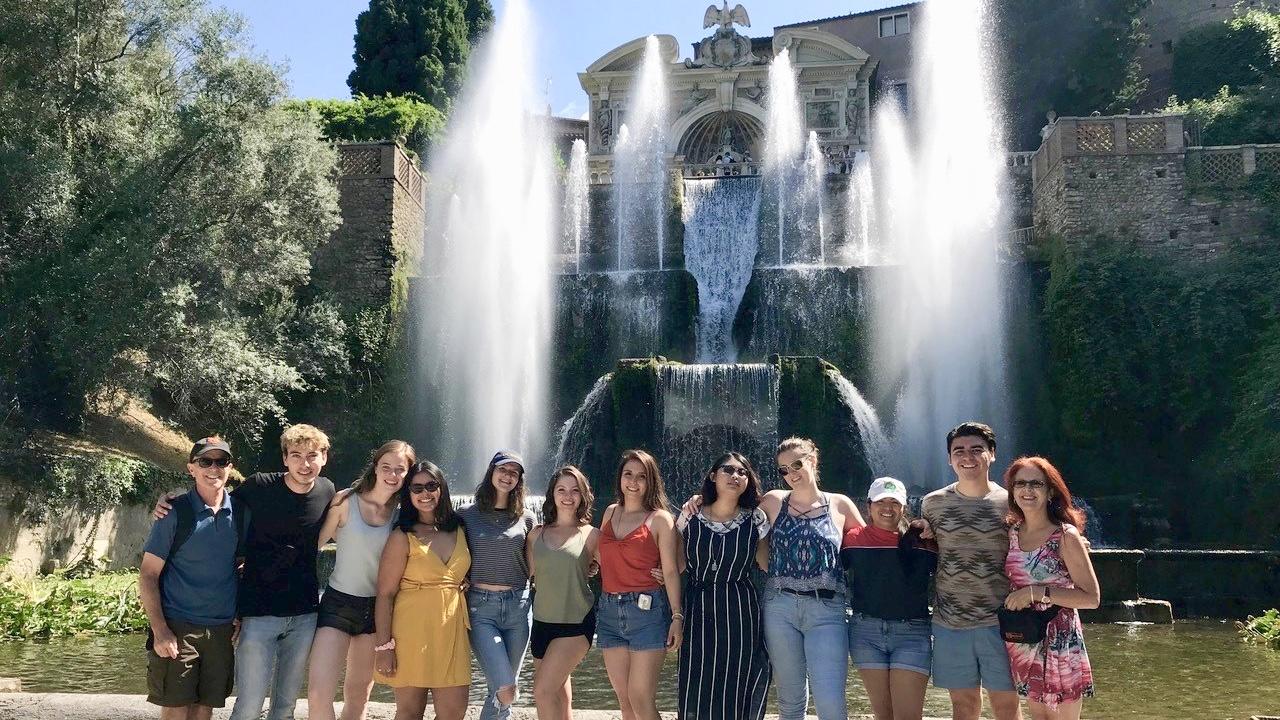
279, 591
967, 519
188, 584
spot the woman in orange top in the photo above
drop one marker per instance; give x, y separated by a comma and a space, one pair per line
420, 613
635, 625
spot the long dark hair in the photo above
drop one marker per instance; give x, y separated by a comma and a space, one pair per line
369, 476
487, 494
446, 519
1061, 507
750, 497
583, 510
655, 495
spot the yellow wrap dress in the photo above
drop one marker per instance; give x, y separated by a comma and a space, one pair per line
430, 622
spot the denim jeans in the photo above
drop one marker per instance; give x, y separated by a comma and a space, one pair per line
271, 647
499, 638
808, 643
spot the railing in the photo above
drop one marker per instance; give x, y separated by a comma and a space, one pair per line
1020, 159
1109, 135
748, 168
382, 160
1230, 164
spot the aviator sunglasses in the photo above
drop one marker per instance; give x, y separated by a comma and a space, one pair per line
428, 486
205, 462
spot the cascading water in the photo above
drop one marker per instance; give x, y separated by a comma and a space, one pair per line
575, 433
874, 442
485, 308
576, 202
941, 338
720, 239
708, 409
640, 164
860, 213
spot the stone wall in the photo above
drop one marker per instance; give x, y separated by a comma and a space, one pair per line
379, 242
1126, 177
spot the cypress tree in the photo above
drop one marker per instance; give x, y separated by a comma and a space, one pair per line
411, 46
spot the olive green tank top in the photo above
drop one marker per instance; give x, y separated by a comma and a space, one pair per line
560, 578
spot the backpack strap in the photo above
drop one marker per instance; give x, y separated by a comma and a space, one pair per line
239, 515
186, 525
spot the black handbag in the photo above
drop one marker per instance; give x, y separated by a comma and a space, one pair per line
1027, 625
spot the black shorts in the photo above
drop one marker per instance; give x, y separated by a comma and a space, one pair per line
352, 614
543, 633
201, 674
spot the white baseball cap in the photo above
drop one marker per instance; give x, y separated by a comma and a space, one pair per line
887, 487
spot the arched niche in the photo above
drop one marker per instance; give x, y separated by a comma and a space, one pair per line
704, 137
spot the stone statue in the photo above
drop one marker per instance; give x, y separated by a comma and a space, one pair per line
851, 108
604, 123
696, 97
726, 48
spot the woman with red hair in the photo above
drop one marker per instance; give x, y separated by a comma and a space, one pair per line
1048, 566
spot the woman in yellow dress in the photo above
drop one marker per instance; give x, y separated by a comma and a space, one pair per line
421, 612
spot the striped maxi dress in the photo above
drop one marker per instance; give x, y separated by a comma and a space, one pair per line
724, 668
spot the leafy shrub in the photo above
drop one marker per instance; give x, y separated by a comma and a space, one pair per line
1261, 630
405, 119
58, 606
1240, 52
1234, 117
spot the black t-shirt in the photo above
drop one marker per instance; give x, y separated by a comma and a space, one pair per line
888, 574
280, 552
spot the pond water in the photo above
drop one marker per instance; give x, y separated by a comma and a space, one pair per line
1193, 669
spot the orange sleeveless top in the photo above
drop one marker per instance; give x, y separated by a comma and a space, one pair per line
625, 562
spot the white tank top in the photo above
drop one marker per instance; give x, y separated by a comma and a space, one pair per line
355, 569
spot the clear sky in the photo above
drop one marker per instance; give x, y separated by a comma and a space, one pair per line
314, 37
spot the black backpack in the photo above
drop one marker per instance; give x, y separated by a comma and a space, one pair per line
186, 517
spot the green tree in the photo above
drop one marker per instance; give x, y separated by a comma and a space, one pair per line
479, 14
158, 210
1243, 51
411, 46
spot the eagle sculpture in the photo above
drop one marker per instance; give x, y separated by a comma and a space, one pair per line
724, 17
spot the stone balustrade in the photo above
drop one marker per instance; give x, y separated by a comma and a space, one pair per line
1230, 164
1112, 135
380, 161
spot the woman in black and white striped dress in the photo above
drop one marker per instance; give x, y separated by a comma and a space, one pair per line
724, 669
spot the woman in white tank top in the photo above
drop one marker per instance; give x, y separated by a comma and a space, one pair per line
361, 520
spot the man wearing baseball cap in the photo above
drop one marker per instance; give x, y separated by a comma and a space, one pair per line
188, 584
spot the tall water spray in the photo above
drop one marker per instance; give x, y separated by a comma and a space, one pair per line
784, 142
484, 302
576, 202
941, 338
859, 249
815, 172
640, 167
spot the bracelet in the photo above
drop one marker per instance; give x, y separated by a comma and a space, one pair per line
388, 645
677, 616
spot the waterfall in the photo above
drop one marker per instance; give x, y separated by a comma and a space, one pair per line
941, 339
720, 239
576, 202
485, 314
708, 409
640, 158
575, 433
874, 443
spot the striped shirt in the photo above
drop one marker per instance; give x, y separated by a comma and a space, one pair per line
497, 540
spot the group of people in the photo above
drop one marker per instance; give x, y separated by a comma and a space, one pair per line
419, 585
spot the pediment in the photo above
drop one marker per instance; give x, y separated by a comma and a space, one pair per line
818, 46
628, 56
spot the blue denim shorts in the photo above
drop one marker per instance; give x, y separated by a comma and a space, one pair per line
876, 644
969, 658
621, 623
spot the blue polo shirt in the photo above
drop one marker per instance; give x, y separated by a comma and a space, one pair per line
199, 583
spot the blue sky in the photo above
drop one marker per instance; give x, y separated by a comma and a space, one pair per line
314, 37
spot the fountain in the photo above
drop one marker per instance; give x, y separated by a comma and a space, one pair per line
577, 207
485, 308
784, 145
640, 167
860, 213
720, 216
940, 336
811, 221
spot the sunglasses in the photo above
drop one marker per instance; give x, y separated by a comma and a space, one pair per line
793, 466
1033, 484
205, 462
428, 486
733, 470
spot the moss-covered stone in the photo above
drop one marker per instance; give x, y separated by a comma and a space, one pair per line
809, 405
